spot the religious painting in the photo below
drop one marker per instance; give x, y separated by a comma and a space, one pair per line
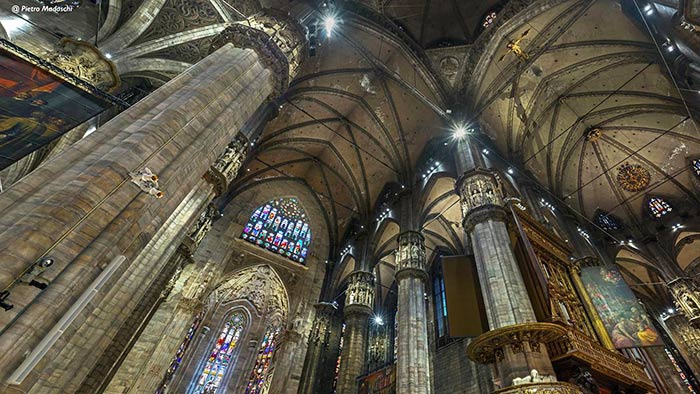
36, 107
379, 382
623, 316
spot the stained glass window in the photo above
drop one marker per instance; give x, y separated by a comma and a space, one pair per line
175, 363
658, 207
696, 167
608, 222
337, 361
440, 304
280, 226
489, 19
262, 370
221, 355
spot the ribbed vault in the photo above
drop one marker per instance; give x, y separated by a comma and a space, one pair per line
592, 95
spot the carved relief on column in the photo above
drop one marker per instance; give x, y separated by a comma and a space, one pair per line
360, 293
226, 167
410, 255
86, 62
201, 228
686, 296
278, 40
480, 195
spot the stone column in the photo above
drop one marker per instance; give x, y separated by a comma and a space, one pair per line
506, 300
101, 199
413, 373
318, 341
359, 302
686, 296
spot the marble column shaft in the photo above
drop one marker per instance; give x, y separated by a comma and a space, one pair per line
318, 341
82, 209
506, 299
413, 373
359, 300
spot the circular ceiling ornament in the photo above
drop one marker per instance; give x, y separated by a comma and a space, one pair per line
633, 177
593, 134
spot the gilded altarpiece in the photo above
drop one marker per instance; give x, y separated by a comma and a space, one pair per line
553, 258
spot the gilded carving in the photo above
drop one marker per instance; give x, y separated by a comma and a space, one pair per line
489, 347
541, 388
686, 296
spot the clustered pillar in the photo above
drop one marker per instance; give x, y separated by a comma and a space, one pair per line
359, 301
515, 342
413, 373
318, 341
109, 194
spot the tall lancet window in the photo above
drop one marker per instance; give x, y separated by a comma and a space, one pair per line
221, 355
262, 371
280, 226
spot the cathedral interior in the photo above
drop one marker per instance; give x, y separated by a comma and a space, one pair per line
350, 196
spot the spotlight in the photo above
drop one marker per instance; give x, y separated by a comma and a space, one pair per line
329, 23
459, 132
511, 171
46, 262
108, 55
378, 320
485, 151
3, 304
671, 311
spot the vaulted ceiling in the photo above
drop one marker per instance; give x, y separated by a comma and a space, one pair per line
593, 95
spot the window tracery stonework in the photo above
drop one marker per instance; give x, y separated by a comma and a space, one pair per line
178, 16
262, 288
686, 296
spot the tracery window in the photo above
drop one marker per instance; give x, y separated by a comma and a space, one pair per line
262, 371
695, 164
337, 361
489, 19
440, 302
175, 363
658, 207
280, 226
221, 355
608, 222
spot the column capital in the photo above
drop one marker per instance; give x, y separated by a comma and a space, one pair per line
410, 255
279, 40
686, 296
359, 296
226, 167
478, 189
